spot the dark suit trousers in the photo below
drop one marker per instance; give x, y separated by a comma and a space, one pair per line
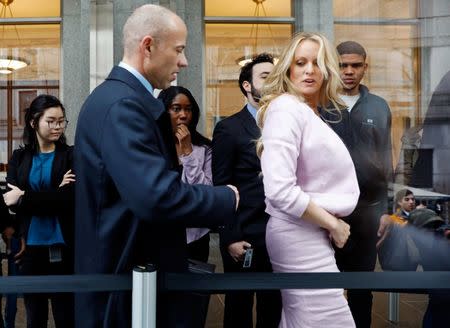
239, 305
36, 262
359, 254
198, 302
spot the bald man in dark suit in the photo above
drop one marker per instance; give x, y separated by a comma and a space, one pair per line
131, 207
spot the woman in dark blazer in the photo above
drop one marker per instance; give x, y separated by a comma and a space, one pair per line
42, 195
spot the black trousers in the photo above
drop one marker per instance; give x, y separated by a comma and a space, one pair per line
359, 254
239, 305
35, 261
436, 315
197, 303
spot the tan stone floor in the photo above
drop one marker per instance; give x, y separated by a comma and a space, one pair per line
21, 321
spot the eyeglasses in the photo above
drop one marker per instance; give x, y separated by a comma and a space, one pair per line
177, 109
57, 124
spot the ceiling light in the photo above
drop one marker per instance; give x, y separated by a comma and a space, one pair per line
242, 61
9, 63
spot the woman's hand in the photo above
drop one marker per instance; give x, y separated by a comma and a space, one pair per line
184, 145
69, 177
340, 233
7, 234
18, 256
12, 197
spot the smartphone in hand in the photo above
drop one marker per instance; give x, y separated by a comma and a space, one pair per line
248, 258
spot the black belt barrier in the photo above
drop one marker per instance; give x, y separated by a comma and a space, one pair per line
404, 281
73, 283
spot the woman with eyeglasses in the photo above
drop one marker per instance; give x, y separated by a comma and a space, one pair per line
41, 193
194, 155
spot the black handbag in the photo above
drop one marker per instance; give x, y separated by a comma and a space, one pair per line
197, 303
195, 266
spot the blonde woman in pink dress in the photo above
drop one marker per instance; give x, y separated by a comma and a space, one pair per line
309, 178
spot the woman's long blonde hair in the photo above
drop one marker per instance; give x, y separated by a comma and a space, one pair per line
278, 81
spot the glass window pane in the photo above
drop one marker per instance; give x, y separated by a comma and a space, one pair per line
226, 44
408, 47
32, 8
375, 8
392, 71
39, 47
281, 8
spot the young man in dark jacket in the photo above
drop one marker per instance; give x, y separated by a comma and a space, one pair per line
366, 130
234, 160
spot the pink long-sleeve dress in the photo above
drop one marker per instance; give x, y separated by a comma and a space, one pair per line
304, 160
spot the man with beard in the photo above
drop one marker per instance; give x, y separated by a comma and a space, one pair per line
234, 160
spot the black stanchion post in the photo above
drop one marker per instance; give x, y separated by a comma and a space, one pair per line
144, 297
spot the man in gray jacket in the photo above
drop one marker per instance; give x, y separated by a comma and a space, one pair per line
366, 131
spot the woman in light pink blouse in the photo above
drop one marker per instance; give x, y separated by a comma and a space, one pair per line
309, 178
194, 154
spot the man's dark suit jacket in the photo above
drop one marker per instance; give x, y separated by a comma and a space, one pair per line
131, 207
234, 161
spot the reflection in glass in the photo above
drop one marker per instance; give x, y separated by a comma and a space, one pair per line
225, 46
279, 8
375, 9
40, 46
33, 8
8, 62
392, 72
